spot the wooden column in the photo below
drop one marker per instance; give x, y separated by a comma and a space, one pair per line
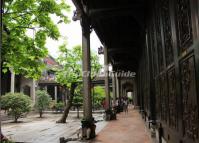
114, 87
86, 68
33, 90
119, 89
151, 83
106, 71
135, 100
12, 83
117, 86
56, 94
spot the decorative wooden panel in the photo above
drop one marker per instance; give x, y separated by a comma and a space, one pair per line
171, 34
172, 99
184, 26
163, 98
145, 80
158, 101
189, 99
153, 49
159, 42
166, 21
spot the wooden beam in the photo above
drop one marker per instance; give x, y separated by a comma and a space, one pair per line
115, 11
123, 50
136, 12
125, 57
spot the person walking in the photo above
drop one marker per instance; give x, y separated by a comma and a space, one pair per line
125, 106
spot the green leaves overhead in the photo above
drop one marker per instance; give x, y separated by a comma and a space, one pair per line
71, 61
95, 66
25, 52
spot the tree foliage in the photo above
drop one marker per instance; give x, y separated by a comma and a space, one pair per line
78, 96
71, 61
16, 104
95, 65
70, 75
99, 96
42, 101
21, 51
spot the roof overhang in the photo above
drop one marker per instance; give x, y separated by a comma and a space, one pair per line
120, 25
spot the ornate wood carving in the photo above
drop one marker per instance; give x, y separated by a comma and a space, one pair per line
154, 61
184, 26
158, 101
145, 81
166, 20
189, 99
163, 98
159, 42
172, 99
146, 100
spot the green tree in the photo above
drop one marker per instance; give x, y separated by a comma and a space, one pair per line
42, 101
99, 96
71, 73
78, 99
24, 53
77, 103
59, 106
16, 104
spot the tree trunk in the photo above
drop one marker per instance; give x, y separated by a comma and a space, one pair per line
65, 96
40, 114
78, 112
16, 119
68, 104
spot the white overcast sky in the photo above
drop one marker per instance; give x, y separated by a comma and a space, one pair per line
71, 32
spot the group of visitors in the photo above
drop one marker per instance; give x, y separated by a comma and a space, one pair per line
121, 104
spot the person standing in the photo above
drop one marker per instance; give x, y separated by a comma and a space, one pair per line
125, 106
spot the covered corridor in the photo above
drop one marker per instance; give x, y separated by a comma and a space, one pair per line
158, 40
128, 128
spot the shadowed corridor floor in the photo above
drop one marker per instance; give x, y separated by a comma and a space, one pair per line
128, 128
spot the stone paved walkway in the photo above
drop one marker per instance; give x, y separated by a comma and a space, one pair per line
128, 128
36, 130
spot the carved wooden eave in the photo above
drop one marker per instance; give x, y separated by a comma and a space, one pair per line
120, 26
78, 6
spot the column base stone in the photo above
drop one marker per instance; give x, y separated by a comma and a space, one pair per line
110, 114
88, 129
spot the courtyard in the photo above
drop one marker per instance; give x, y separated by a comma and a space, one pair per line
33, 129
60, 54
45, 130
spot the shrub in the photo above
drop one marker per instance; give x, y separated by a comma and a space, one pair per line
97, 105
16, 104
42, 101
59, 106
56, 106
52, 104
99, 95
78, 99
7, 142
